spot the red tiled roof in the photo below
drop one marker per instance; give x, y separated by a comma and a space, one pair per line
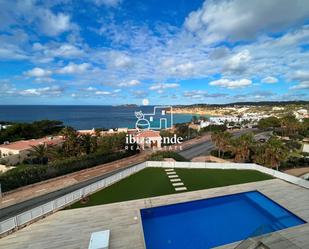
149, 133
27, 144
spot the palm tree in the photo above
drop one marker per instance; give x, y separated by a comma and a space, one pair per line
221, 140
271, 154
70, 145
240, 146
88, 143
40, 153
289, 125
56, 153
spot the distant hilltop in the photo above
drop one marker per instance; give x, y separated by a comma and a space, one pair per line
260, 103
127, 105
277, 108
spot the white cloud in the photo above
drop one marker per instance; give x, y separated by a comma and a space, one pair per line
199, 94
12, 52
183, 69
109, 3
301, 75
269, 80
160, 87
238, 62
139, 93
163, 86
231, 84
54, 24
38, 72
301, 86
118, 59
64, 50
35, 15
242, 20
130, 83
48, 91
103, 93
73, 68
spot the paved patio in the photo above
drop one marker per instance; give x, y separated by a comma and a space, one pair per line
72, 228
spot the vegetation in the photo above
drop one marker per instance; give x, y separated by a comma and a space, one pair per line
25, 175
275, 152
160, 155
221, 140
77, 152
271, 153
214, 128
270, 122
241, 147
154, 182
184, 131
75, 145
37, 129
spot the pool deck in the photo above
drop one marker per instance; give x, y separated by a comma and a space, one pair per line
72, 228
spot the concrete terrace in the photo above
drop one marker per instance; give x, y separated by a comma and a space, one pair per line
72, 228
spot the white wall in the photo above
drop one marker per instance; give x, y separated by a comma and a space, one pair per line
59, 203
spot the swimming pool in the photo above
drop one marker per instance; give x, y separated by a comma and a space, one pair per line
213, 222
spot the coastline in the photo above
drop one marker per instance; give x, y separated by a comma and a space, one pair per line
197, 111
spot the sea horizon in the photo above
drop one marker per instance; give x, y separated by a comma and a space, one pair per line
81, 117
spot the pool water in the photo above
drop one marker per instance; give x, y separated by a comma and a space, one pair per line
213, 222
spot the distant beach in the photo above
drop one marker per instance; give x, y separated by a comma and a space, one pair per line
81, 117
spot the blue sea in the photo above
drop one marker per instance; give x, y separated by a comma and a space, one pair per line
81, 117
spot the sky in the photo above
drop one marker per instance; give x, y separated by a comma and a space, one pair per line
110, 52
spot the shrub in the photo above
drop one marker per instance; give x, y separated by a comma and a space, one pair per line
225, 155
28, 174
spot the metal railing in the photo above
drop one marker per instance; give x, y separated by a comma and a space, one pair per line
63, 201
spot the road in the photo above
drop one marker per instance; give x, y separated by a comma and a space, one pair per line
203, 148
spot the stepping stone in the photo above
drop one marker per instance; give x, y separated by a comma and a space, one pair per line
169, 170
173, 176
175, 180
178, 184
171, 173
180, 188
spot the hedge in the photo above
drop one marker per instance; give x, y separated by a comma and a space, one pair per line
160, 155
28, 174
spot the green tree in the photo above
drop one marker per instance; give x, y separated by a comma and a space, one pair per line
241, 147
194, 119
221, 140
40, 153
87, 143
271, 154
289, 125
270, 122
71, 144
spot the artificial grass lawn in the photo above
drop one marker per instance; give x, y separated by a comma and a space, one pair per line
154, 182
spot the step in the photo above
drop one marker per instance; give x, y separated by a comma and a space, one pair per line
181, 189
178, 184
169, 170
173, 176
175, 180
171, 173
